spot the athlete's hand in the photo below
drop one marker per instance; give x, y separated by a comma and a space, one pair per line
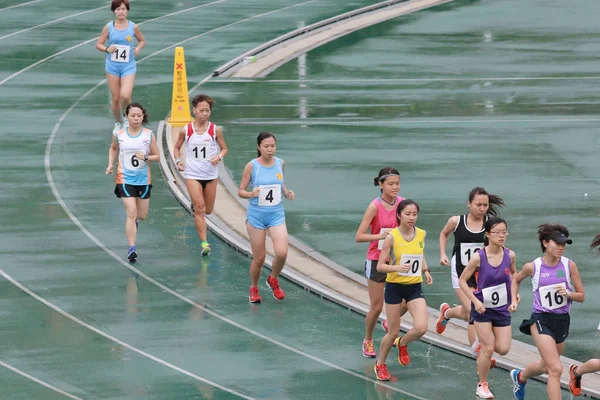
255, 192
561, 290
109, 170
136, 51
215, 161
428, 278
290, 195
383, 235
404, 267
140, 155
513, 307
180, 166
444, 260
111, 49
479, 307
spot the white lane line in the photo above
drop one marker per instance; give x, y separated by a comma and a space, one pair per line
19, 5
402, 80
51, 22
126, 264
118, 341
41, 382
408, 121
96, 38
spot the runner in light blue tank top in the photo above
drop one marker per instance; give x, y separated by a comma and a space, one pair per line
265, 213
120, 58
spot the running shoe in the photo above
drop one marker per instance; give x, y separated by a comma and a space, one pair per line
519, 387
403, 356
475, 348
254, 295
125, 122
492, 363
483, 392
117, 127
273, 283
385, 326
368, 349
205, 248
440, 326
131, 254
574, 381
137, 224
381, 372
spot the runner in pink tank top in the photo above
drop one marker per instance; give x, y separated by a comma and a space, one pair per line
379, 219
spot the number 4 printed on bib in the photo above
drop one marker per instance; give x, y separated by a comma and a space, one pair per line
269, 196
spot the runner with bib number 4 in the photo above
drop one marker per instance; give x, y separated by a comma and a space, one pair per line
556, 284
265, 213
491, 301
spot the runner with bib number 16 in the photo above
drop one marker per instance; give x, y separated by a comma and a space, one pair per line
265, 213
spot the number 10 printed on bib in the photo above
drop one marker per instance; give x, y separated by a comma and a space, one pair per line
269, 196
416, 264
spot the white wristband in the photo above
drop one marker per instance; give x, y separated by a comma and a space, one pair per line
177, 161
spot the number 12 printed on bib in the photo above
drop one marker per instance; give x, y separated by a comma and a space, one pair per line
467, 250
269, 196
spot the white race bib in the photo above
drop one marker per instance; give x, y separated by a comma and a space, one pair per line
550, 298
495, 296
380, 242
416, 264
121, 54
269, 196
200, 152
132, 162
467, 250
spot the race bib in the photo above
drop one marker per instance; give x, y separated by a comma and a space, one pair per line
269, 196
416, 264
132, 162
467, 250
121, 54
550, 298
200, 153
495, 296
380, 242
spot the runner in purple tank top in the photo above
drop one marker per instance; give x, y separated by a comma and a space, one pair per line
490, 311
556, 284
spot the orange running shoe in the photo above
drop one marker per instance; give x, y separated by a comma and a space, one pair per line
574, 381
381, 372
440, 326
254, 295
368, 349
273, 283
403, 356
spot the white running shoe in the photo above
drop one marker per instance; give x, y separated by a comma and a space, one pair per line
476, 348
117, 128
483, 392
125, 122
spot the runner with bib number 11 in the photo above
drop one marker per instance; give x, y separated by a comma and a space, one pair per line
265, 213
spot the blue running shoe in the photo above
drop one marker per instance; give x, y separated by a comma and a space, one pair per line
137, 224
131, 254
519, 387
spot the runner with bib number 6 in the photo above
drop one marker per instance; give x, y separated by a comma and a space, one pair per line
403, 261
265, 213
490, 302
556, 284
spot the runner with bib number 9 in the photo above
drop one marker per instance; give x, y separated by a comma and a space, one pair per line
265, 213
556, 284
120, 58
136, 146
403, 260
201, 162
491, 301
379, 219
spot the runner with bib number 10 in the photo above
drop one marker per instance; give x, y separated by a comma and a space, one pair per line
265, 213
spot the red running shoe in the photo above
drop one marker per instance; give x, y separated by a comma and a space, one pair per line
385, 326
440, 326
273, 283
574, 381
254, 295
381, 372
403, 356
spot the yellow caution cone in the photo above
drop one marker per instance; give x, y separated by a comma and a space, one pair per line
180, 104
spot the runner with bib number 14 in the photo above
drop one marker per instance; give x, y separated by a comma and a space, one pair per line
265, 213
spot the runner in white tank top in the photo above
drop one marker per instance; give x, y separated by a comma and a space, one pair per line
202, 157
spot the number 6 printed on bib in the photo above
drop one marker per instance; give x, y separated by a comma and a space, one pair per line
550, 298
416, 264
269, 196
121, 54
132, 162
495, 296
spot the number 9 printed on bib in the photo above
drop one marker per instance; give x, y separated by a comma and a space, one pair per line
550, 298
495, 296
416, 264
121, 54
131, 162
269, 196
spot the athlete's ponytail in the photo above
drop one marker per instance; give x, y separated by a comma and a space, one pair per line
385, 173
262, 136
495, 201
595, 242
545, 232
137, 105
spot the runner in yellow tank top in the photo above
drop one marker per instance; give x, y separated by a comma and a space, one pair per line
404, 248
